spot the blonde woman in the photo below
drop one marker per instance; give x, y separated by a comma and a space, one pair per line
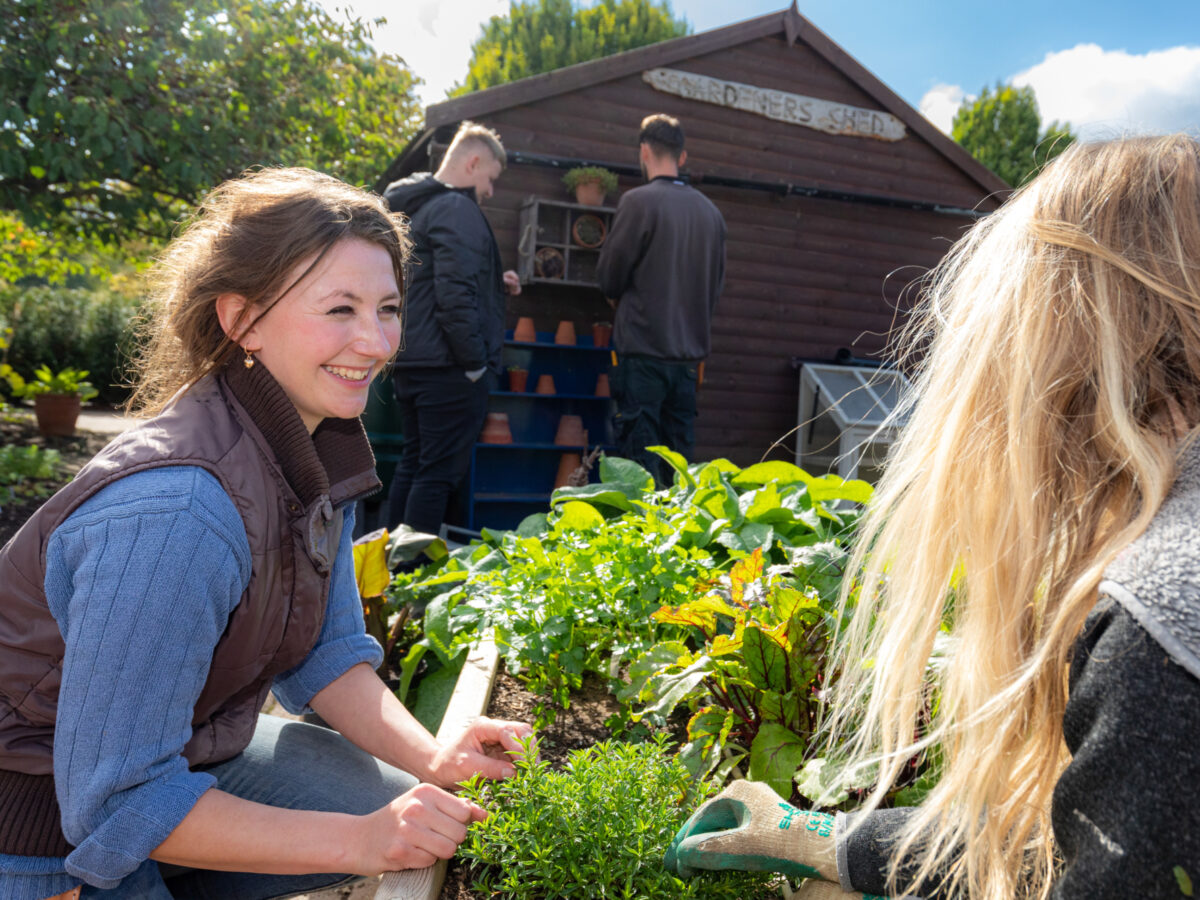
1042, 507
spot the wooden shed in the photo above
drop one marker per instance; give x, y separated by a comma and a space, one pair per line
837, 195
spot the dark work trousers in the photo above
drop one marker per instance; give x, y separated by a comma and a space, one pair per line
656, 404
441, 414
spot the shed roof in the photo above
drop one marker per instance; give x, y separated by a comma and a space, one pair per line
789, 22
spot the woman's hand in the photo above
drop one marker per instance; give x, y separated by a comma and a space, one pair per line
413, 831
488, 747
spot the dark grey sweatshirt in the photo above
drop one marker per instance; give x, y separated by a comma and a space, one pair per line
1126, 811
664, 262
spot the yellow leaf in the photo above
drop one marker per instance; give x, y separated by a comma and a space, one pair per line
370, 563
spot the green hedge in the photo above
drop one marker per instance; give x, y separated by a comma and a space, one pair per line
80, 328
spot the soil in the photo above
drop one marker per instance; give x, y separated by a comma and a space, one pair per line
20, 430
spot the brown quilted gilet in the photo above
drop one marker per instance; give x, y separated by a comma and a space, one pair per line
289, 488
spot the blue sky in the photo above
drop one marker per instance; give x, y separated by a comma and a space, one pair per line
1107, 66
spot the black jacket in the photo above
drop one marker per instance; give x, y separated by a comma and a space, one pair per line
454, 306
1126, 809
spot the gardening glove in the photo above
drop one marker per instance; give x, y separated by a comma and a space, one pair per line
748, 826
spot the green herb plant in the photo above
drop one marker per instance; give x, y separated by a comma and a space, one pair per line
596, 829
590, 174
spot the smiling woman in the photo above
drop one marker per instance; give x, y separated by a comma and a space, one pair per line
325, 341
203, 559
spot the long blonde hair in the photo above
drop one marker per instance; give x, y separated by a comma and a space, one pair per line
1060, 344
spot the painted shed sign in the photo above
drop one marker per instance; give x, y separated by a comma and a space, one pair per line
811, 112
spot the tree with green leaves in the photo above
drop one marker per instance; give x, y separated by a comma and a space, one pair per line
116, 116
1003, 130
540, 35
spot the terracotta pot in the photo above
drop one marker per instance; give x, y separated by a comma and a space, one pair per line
548, 262
496, 430
570, 432
57, 413
589, 231
589, 193
565, 333
602, 388
545, 385
518, 380
567, 464
601, 333
524, 332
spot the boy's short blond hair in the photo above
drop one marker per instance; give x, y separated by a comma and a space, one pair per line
473, 134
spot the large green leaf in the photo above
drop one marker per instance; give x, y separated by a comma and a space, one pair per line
766, 658
677, 462
775, 756
615, 494
579, 516
617, 470
775, 472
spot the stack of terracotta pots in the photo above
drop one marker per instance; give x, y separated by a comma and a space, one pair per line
565, 333
545, 385
525, 332
496, 430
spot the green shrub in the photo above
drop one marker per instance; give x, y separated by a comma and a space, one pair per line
27, 471
596, 829
71, 327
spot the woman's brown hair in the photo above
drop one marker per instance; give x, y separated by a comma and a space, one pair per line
246, 237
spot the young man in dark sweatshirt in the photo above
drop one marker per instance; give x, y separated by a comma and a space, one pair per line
662, 266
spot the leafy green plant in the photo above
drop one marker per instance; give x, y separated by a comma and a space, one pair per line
753, 680
590, 175
77, 327
596, 829
22, 468
65, 381
574, 590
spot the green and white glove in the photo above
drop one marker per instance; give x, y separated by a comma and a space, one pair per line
748, 826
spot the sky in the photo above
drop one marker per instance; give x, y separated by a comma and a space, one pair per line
1108, 67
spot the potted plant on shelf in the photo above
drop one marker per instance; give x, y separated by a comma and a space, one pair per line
590, 184
57, 397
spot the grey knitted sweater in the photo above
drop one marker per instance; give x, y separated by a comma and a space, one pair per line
1126, 811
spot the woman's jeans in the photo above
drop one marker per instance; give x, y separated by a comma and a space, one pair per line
288, 764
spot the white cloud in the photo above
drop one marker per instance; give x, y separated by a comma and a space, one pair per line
1106, 93
941, 102
1102, 93
433, 37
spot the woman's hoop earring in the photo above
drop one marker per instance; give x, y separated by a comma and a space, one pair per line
248, 362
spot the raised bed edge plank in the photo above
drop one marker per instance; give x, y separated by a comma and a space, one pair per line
471, 696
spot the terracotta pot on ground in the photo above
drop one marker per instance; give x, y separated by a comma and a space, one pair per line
601, 333
602, 388
518, 380
567, 464
57, 413
524, 331
589, 193
545, 385
565, 333
570, 432
496, 430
